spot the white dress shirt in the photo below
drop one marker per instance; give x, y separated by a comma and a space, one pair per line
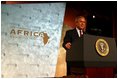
78, 31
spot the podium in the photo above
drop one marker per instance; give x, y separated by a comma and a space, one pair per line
83, 53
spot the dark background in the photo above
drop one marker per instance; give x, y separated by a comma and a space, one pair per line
105, 12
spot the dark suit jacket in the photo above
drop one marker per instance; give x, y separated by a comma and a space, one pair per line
70, 36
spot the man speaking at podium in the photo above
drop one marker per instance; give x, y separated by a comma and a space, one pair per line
72, 35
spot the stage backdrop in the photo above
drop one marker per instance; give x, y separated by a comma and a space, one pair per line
30, 39
61, 68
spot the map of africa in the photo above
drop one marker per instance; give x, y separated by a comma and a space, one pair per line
45, 38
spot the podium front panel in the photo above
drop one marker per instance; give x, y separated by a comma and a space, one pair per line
91, 56
74, 56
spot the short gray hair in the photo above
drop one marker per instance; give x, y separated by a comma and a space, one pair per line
78, 17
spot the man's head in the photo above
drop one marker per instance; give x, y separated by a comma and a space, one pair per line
80, 22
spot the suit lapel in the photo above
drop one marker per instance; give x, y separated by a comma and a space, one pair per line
75, 35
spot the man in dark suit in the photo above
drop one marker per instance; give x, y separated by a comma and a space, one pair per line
72, 35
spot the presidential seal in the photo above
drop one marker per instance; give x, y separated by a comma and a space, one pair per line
102, 47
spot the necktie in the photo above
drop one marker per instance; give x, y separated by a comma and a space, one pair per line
81, 33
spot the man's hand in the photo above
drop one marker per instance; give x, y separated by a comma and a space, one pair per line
68, 45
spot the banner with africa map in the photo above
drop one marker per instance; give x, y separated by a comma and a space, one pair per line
30, 39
